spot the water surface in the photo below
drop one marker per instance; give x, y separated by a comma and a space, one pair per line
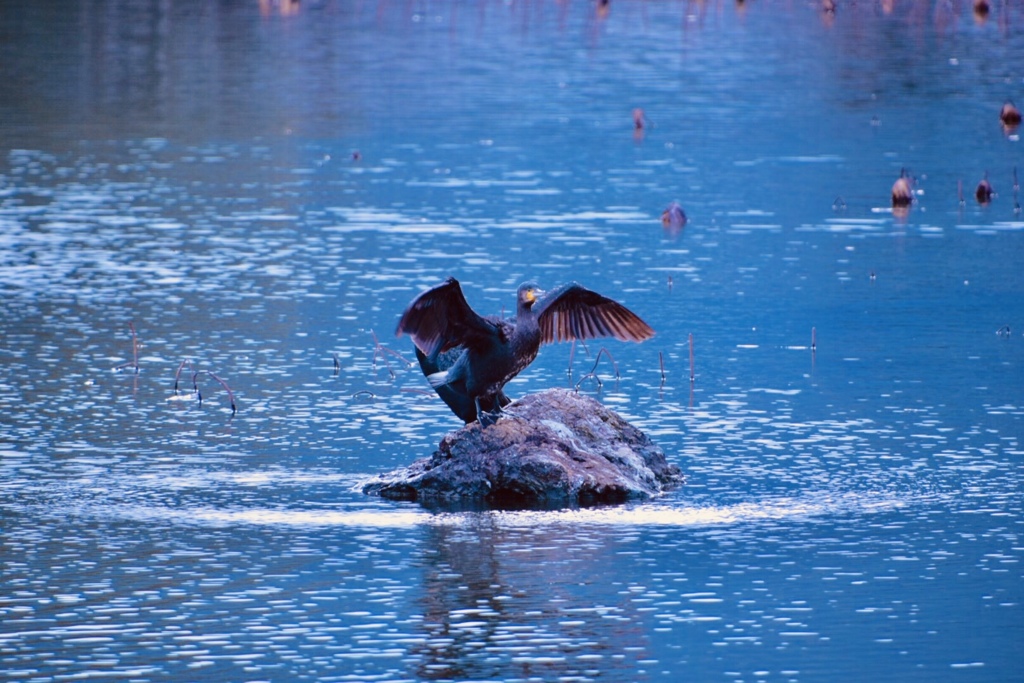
261, 192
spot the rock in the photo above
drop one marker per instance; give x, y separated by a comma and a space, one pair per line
551, 449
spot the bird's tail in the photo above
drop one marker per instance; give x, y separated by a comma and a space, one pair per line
438, 379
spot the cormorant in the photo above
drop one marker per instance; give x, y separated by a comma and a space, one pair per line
468, 358
461, 403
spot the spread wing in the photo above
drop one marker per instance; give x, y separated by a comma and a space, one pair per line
574, 312
439, 319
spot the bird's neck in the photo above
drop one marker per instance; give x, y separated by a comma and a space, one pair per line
526, 323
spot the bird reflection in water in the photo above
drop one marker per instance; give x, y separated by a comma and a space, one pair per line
496, 597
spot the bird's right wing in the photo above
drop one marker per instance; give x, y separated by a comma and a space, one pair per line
440, 318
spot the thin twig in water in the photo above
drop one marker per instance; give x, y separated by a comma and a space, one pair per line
224, 384
195, 383
1016, 189
135, 346
572, 357
380, 350
135, 351
593, 374
693, 375
181, 366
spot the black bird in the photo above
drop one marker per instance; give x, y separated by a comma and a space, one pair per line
461, 403
468, 358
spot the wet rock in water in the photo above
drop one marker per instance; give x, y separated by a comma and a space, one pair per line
554, 448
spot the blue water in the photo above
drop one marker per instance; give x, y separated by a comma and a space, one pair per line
261, 188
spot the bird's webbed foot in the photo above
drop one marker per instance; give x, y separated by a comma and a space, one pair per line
487, 418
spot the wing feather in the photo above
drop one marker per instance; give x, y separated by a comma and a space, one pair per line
574, 312
440, 319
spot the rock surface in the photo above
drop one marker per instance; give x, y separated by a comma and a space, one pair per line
551, 449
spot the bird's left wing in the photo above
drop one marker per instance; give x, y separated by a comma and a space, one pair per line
440, 318
574, 312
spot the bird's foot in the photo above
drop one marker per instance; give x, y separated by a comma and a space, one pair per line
487, 418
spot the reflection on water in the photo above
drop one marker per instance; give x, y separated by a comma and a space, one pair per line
392, 593
851, 437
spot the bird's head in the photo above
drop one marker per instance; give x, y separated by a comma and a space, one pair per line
528, 294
